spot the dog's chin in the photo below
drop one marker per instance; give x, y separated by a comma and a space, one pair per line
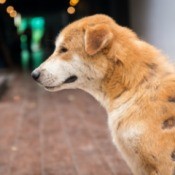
53, 89
59, 88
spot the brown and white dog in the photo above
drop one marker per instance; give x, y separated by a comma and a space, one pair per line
132, 80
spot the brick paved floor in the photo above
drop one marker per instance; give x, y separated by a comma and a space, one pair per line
62, 133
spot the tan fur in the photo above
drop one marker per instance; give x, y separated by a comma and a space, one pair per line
135, 84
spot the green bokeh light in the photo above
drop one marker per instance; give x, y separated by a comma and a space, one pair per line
37, 35
37, 23
25, 56
22, 27
23, 38
33, 41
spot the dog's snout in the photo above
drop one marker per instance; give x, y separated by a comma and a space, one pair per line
35, 74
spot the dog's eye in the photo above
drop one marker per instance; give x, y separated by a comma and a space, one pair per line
63, 50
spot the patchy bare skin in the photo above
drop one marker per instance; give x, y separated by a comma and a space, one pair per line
130, 78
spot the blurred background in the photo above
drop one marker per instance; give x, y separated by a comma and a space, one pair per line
64, 133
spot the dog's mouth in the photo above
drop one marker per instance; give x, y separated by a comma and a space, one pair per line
70, 79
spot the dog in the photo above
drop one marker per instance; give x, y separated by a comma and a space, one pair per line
132, 79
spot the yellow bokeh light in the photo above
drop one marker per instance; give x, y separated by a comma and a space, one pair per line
71, 10
10, 9
2, 1
73, 2
13, 14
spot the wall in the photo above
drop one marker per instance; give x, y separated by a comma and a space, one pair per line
154, 21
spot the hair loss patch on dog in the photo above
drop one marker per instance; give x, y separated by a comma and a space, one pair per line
169, 123
173, 155
152, 66
171, 99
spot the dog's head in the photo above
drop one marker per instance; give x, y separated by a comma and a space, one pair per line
79, 58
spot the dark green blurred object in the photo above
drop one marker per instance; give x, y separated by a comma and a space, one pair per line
32, 32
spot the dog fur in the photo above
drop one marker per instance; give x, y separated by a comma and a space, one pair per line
131, 79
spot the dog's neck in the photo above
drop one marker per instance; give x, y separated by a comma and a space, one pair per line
107, 93
94, 89
121, 82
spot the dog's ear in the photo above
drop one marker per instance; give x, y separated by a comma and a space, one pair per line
97, 37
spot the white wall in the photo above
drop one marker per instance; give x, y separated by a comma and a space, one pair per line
154, 21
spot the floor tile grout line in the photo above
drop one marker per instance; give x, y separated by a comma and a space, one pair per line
19, 126
77, 161
73, 157
41, 138
19, 121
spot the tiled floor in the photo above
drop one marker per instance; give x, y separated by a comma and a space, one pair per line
62, 133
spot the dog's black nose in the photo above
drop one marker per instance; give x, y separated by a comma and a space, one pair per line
35, 74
